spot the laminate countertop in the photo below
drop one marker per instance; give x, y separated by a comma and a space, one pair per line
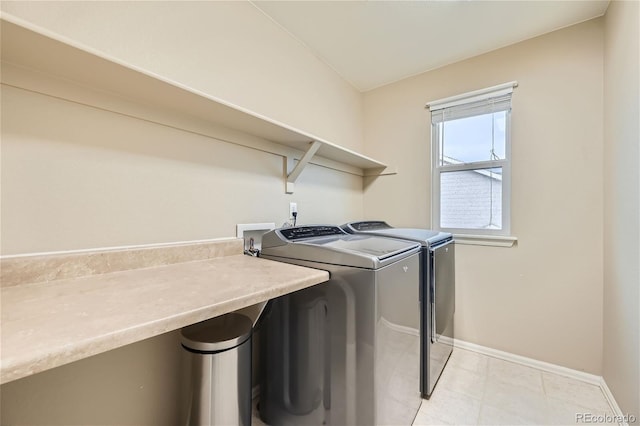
52, 323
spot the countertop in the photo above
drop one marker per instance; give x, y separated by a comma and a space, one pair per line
48, 324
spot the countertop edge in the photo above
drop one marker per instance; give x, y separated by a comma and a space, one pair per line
34, 362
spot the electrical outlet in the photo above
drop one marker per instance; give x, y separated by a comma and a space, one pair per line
293, 208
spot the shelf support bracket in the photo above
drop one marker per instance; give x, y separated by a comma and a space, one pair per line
295, 173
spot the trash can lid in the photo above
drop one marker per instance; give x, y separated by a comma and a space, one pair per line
218, 334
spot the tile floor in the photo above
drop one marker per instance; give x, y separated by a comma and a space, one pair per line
476, 389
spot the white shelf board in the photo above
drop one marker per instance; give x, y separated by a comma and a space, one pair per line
32, 47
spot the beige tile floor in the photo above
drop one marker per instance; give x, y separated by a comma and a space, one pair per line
476, 389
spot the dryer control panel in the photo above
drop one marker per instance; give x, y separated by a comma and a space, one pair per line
370, 225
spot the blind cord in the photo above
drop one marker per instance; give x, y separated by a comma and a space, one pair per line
493, 157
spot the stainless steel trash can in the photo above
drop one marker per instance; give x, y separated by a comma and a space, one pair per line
220, 363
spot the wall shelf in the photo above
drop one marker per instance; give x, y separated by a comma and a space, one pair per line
29, 47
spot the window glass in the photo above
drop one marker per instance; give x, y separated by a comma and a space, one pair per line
471, 199
471, 166
473, 139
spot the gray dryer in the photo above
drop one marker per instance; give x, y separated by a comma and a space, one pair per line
437, 295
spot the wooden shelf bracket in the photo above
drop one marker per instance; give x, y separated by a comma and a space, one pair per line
292, 176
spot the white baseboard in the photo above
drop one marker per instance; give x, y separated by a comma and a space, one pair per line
530, 362
612, 402
550, 368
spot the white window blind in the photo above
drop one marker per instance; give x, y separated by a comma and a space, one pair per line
478, 107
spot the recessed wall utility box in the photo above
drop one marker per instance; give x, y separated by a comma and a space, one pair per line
246, 231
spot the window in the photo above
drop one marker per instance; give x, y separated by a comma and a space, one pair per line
470, 138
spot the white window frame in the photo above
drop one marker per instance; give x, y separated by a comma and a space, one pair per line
437, 169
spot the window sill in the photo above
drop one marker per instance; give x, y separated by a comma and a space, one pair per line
485, 240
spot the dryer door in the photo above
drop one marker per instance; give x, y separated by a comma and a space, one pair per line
443, 293
441, 306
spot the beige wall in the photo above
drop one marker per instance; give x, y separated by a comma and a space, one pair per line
104, 179
139, 384
76, 177
137, 177
227, 49
542, 298
621, 368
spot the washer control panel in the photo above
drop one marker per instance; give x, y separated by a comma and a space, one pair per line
301, 232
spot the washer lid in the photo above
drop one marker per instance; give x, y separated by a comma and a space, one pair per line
217, 334
425, 237
381, 248
330, 244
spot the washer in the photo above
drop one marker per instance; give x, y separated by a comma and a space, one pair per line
437, 286
344, 352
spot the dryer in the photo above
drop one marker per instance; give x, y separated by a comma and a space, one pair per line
437, 295
344, 352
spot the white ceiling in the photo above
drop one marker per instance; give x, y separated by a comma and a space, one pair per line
373, 43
